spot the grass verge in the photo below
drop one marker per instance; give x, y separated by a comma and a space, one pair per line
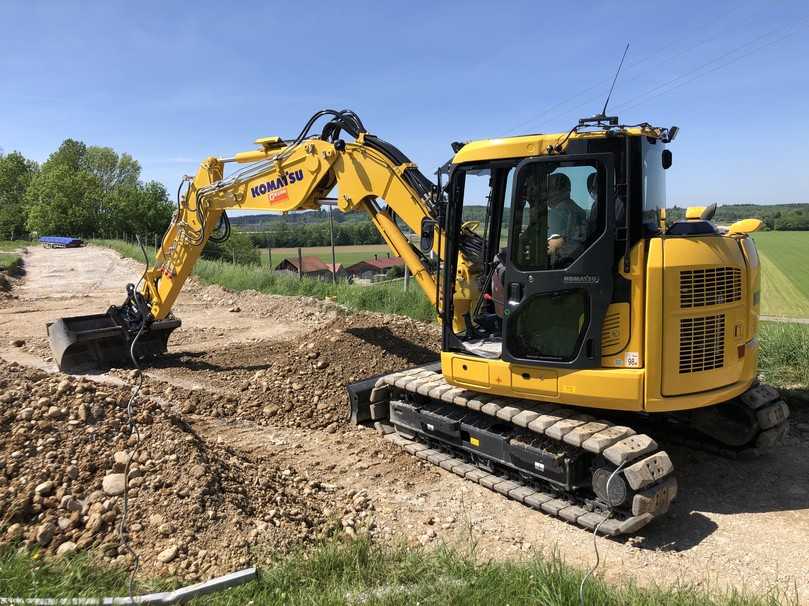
361, 572
387, 298
784, 354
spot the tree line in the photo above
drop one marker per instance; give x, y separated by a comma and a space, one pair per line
317, 234
80, 191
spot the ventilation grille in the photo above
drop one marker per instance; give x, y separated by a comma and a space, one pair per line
702, 343
611, 331
712, 286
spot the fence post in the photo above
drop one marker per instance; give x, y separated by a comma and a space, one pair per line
406, 278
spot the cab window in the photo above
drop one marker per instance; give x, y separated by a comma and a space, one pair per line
557, 213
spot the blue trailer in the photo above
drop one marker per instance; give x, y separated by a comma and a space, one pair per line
60, 242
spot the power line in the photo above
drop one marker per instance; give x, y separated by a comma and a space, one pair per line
695, 75
550, 111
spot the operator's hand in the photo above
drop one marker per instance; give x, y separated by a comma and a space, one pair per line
555, 242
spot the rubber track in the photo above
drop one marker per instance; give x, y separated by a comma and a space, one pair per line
772, 415
646, 469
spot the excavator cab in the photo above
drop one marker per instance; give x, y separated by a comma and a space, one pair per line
554, 229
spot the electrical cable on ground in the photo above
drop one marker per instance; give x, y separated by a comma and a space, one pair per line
595, 535
133, 430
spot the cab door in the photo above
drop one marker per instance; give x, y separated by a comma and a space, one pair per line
560, 265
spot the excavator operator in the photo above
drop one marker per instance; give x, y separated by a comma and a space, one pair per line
567, 221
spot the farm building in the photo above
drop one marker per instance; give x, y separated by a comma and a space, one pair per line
312, 267
373, 268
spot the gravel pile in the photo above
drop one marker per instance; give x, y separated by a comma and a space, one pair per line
304, 384
196, 509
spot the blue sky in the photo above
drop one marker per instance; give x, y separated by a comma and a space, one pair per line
172, 83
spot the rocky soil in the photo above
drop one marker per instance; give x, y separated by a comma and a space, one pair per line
301, 383
197, 509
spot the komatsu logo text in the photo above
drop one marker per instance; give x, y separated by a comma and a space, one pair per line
276, 189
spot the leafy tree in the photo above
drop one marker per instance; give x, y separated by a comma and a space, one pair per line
137, 208
238, 248
110, 169
16, 173
71, 154
62, 201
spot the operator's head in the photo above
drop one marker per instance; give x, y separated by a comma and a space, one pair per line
592, 185
558, 187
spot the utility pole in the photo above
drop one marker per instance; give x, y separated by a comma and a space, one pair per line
269, 251
300, 264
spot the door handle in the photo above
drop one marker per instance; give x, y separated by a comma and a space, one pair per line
514, 293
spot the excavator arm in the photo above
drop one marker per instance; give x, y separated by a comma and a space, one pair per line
279, 177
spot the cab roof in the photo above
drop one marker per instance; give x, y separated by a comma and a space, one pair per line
535, 145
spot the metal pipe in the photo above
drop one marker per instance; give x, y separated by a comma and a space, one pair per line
177, 596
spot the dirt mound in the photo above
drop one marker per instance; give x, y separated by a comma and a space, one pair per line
302, 383
197, 508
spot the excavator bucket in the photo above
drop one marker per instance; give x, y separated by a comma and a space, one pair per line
99, 341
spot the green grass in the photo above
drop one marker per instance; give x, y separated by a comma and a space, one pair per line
10, 259
361, 572
387, 298
784, 354
784, 273
347, 255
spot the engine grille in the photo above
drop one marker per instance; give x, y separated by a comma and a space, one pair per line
702, 343
710, 286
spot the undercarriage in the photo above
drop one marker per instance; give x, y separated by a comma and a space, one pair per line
591, 472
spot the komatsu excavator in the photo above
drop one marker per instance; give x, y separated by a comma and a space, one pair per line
573, 315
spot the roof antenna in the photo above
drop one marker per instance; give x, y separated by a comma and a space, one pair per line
602, 117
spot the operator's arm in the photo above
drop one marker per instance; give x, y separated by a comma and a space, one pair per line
285, 177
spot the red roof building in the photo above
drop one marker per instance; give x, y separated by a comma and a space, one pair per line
371, 268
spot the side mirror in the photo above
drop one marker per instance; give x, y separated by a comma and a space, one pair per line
666, 159
427, 234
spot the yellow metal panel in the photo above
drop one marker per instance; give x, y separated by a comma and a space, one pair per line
534, 145
531, 380
754, 281
615, 331
608, 388
701, 338
470, 371
653, 334
746, 226
694, 212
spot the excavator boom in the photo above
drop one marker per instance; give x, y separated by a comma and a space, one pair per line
279, 177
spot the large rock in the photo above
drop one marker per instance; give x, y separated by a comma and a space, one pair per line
66, 548
167, 555
113, 484
45, 534
15, 531
44, 489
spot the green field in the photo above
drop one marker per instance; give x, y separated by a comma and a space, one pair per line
347, 255
784, 273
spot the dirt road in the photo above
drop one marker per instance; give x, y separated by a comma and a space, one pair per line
268, 380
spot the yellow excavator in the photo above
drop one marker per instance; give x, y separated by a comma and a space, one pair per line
573, 315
